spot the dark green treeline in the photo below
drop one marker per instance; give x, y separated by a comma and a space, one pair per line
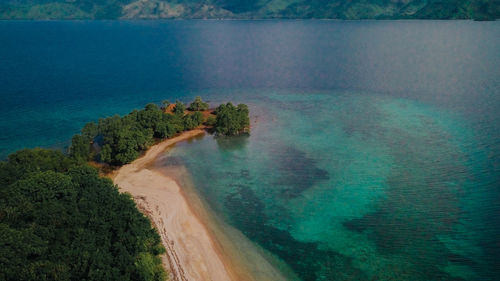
59, 220
120, 140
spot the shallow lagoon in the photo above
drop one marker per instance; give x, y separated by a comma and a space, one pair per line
350, 186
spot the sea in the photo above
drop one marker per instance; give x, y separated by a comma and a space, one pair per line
374, 151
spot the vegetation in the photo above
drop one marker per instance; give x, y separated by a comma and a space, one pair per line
251, 9
210, 121
60, 221
198, 105
165, 103
231, 120
120, 140
179, 108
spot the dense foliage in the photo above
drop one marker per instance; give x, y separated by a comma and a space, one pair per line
231, 120
120, 140
60, 221
331, 9
198, 105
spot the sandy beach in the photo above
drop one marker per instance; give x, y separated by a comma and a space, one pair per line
191, 250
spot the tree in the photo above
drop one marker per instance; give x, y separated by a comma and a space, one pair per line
150, 117
80, 148
165, 103
197, 118
89, 131
122, 139
61, 221
231, 120
198, 105
189, 124
242, 113
179, 108
105, 154
210, 121
27, 161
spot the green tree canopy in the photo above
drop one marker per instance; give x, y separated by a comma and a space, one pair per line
60, 221
26, 161
120, 140
165, 103
179, 108
80, 148
231, 120
198, 105
89, 131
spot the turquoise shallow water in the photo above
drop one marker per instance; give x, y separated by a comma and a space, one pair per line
375, 145
352, 186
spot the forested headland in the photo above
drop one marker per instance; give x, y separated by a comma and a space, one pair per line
60, 220
120, 140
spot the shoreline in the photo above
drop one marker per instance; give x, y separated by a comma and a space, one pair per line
193, 251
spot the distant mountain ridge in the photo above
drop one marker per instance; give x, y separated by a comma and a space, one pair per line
250, 9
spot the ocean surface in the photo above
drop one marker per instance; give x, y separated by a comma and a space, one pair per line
374, 152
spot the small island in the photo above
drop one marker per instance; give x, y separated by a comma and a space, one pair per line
60, 219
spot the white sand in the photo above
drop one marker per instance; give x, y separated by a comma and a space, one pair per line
194, 251
191, 251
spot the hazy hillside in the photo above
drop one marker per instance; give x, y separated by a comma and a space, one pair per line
248, 9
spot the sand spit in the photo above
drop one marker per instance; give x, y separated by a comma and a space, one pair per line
191, 249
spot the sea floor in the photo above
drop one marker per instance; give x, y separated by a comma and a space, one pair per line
349, 187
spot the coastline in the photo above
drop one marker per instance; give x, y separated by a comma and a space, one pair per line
193, 252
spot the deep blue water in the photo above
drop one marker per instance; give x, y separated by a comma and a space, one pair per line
375, 151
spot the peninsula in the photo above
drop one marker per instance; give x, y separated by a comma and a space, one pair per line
191, 250
60, 219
